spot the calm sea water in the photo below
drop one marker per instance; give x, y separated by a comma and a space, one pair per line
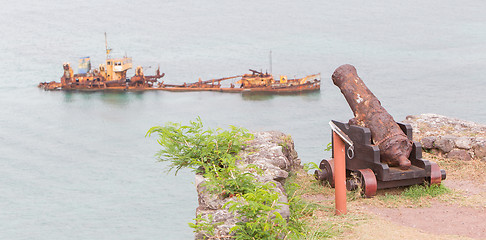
77, 165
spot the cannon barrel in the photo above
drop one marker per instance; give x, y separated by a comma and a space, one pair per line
394, 145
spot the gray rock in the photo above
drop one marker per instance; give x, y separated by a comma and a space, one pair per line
428, 142
225, 219
459, 154
284, 208
272, 171
445, 144
433, 124
479, 149
278, 159
207, 200
441, 130
272, 152
464, 142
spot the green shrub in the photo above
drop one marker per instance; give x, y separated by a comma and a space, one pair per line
258, 215
213, 153
203, 151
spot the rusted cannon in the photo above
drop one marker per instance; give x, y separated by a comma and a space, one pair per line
394, 145
380, 152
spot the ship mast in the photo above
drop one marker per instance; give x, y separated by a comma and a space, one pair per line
270, 56
108, 50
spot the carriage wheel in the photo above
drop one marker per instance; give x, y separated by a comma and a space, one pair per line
368, 182
326, 172
435, 174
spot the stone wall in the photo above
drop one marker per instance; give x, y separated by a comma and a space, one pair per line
274, 153
449, 137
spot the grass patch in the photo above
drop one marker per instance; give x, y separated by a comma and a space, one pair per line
308, 185
312, 208
460, 170
416, 192
301, 210
413, 196
390, 199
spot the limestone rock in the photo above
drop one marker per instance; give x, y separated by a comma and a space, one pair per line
226, 221
438, 125
449, 135
207, 200
480, 150
284, 209
274, 153
459, 154
464, 142
445, 144
428, 142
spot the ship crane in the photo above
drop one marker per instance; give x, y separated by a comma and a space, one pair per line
211, 82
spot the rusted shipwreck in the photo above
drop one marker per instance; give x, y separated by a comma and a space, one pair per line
260, 82
112, 75
256, 81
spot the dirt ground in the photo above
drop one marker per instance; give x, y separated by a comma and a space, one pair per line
438, 219
460, 214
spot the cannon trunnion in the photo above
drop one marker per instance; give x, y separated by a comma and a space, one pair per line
364, 168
